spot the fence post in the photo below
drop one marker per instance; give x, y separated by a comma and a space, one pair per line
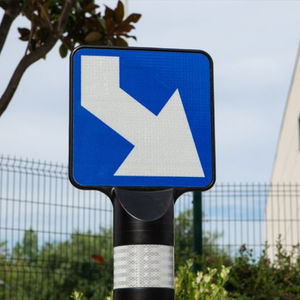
197, 224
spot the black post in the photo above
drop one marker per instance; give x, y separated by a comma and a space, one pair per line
198, 234
143, 245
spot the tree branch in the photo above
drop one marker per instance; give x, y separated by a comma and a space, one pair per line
63, 18
4, 29
46, 16
30, 37
34, 56
24, 63
11, 12
4, 4
38, 21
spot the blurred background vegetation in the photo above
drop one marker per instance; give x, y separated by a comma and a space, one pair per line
55, 270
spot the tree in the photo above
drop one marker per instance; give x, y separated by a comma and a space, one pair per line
213, 255
72, 22
53, 270
28, 250
3, 250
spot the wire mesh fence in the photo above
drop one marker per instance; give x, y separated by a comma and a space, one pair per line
55, 238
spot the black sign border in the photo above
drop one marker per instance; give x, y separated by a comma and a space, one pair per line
108, 190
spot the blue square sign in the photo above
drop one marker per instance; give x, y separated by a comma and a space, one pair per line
141, 117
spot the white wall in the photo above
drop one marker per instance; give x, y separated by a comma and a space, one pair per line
283, 203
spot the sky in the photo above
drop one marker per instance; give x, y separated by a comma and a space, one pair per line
253, 45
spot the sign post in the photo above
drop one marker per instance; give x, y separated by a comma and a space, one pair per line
142, 132
198, 232
143, 244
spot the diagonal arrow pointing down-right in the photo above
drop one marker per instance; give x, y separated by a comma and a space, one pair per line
163, 144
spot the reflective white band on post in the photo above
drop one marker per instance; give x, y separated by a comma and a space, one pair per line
142, 266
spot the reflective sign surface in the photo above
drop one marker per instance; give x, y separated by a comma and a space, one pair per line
141, 118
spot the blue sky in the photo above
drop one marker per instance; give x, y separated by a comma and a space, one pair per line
253, 45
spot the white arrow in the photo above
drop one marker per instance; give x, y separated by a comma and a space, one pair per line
163, 144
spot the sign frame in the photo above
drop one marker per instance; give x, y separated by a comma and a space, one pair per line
108, 190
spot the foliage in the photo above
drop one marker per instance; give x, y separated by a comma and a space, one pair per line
3, 250
72, 22
77, 295
85, 24
213, 256
54, 270
247, 278
253, 278
201, 286
28, 249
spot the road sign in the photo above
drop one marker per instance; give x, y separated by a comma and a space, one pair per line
141, 118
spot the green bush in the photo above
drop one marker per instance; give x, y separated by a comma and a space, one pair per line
213, 255
54, 270
201, 286
247, 278
253, 278
77, 295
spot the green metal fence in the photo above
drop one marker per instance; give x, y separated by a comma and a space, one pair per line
53, 237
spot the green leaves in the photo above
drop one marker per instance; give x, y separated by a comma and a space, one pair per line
254, 277
120, 42
85, 24
117, 28
119, 12
52, 271
77, 295
90, 7
63, 50
134, 18
207, 285
24, 34
93, 37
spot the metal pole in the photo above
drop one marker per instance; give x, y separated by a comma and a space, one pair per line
198, 234
143, 244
